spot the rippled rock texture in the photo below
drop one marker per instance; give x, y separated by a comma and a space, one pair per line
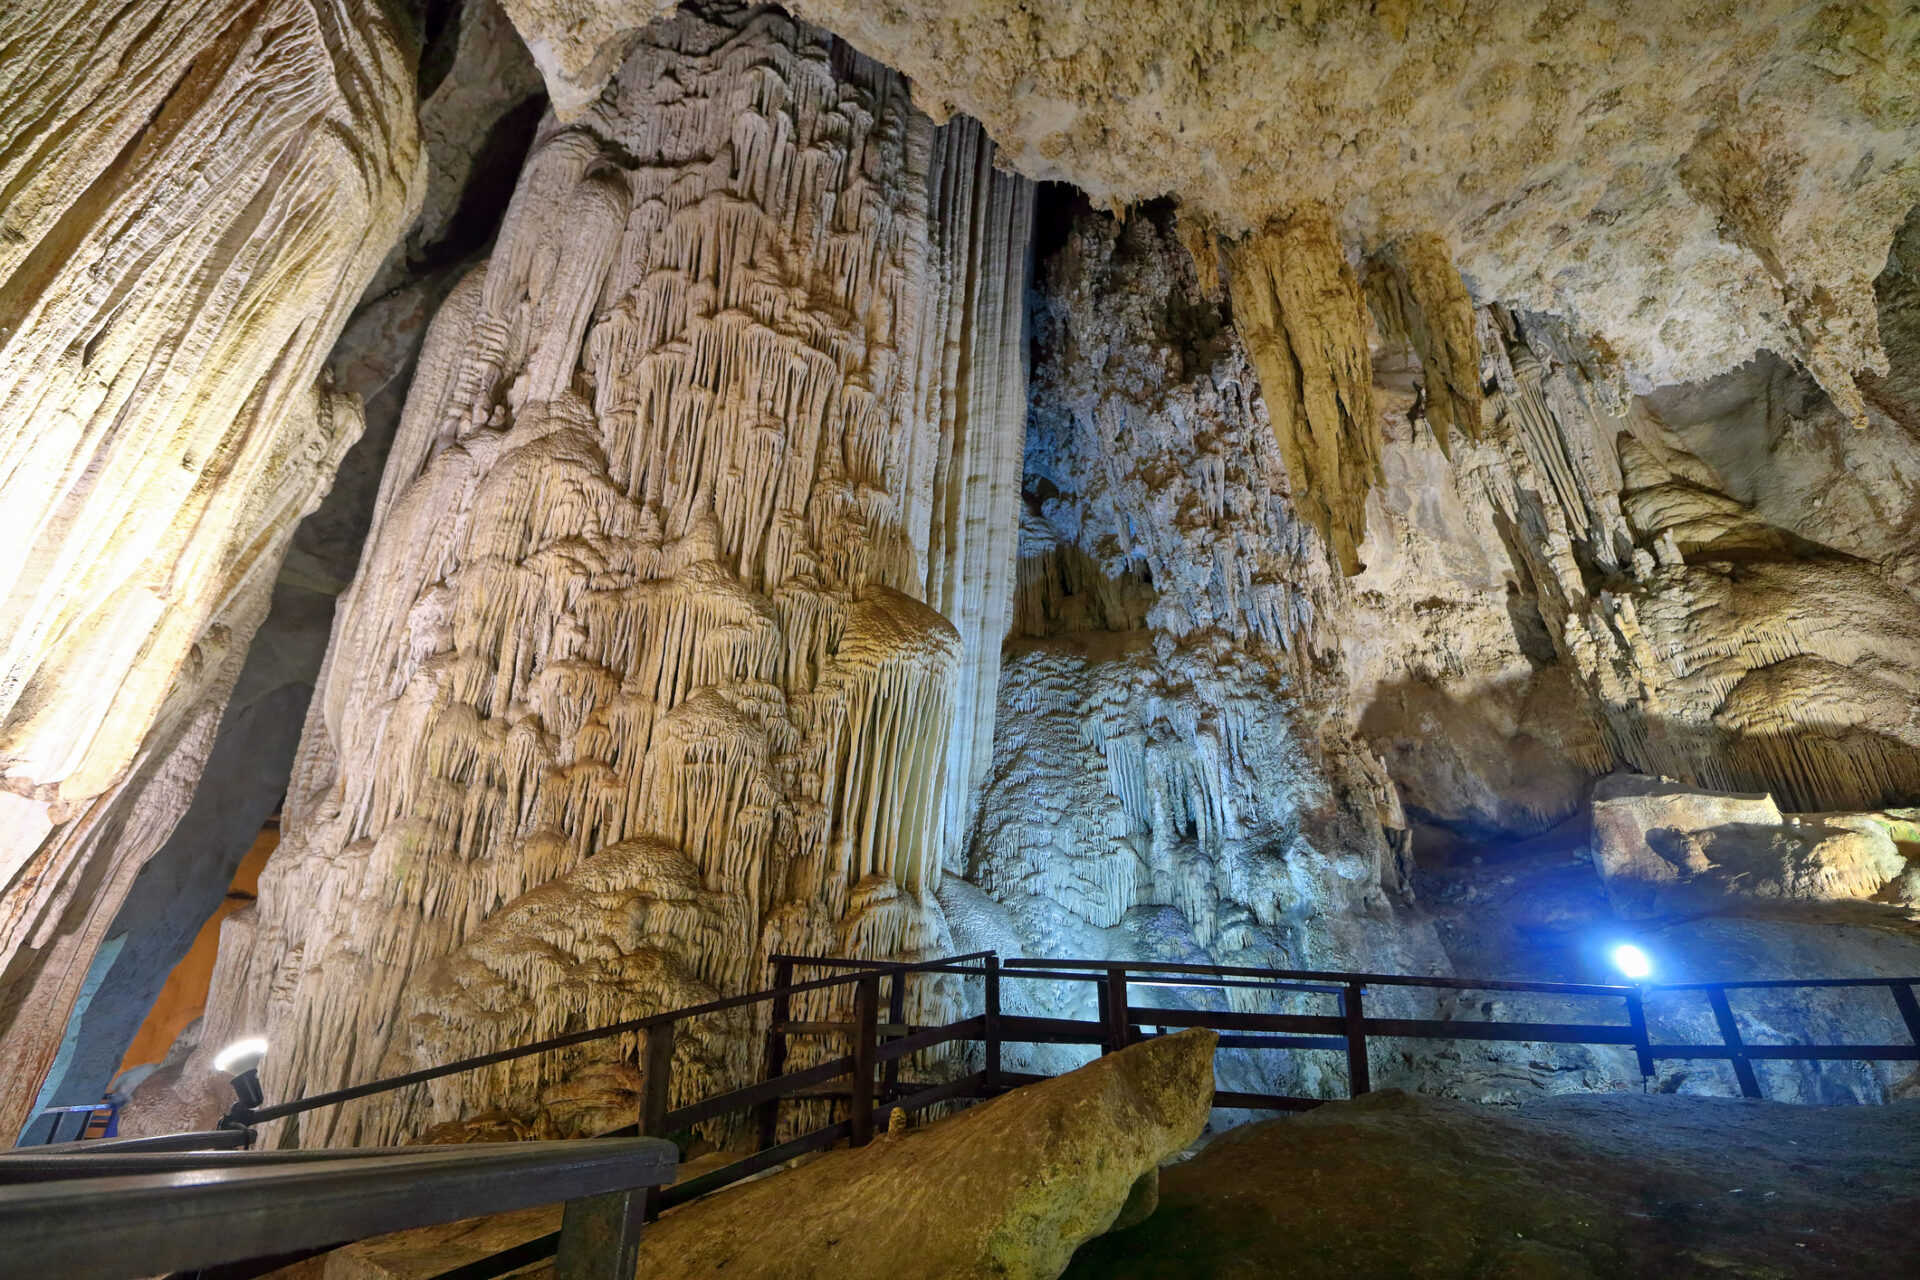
195, 195
642, 677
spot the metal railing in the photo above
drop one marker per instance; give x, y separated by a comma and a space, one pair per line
864, 1085
114, 1215
1349, 1028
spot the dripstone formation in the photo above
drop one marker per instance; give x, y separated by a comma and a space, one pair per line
641, 680
1209, 483
194, 196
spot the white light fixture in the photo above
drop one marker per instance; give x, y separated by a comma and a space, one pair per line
1632, 961
241, 1055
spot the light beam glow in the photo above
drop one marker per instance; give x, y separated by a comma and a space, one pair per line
1632, 961
241, 1055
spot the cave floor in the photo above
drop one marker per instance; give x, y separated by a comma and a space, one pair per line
1576, 1186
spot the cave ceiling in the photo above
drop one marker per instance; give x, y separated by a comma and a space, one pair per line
1687, 182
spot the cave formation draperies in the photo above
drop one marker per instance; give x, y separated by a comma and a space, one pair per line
645, 673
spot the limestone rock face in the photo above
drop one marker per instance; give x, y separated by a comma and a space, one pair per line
1688, 181
196, 194
173, 281
1009, 1188
1174, 777
1664, 849
1593, 583
642, 677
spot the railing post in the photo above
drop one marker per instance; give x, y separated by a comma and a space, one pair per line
1909, 1010
656, 1099
1359, 1075
776, 1049
990, 1071
866, 1022
1730, 1034
600, 1236
1104, 1000
896, 1014
1642, 1044
1119, 1034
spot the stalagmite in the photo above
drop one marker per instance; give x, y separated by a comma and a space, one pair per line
645, 675
194, 196
1299, 309
1418, 298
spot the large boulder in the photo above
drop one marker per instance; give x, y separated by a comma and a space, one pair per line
1664, 848
1572, 1188
1008, 1189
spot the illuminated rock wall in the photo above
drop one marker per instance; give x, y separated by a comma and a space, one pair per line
194, 196
645, 674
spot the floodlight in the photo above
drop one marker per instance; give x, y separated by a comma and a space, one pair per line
241, 1055
1632, 961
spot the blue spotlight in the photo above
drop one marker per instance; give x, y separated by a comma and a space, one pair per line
1632, 961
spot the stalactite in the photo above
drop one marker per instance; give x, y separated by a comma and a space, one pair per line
974, 523
645, 675
1300, 311
1418, 298
1722, 650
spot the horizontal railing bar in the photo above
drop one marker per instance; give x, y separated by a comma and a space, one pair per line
187, 1220
507, 1261
966, 1086
1026, 1030
1238, 984
754, 1094
1755, 983
1399, 1028
841, 1028
1211, 984
1264, 1101
1795, 1052
1049, 975
1096, 967
280, 1110
204, 1140
965, 1029
727, 1175
829, 962
1239, 1041
29, 1165
1233, 1020
1515, 1032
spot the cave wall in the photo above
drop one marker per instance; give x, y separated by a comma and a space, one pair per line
639, 680
195, 196
1357, 498
480, 98
1201, 706
1174, 774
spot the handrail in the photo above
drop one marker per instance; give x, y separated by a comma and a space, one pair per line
168, 1212
1095, 968
1091, 970
280, 1110
863, 1083
206, 1140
